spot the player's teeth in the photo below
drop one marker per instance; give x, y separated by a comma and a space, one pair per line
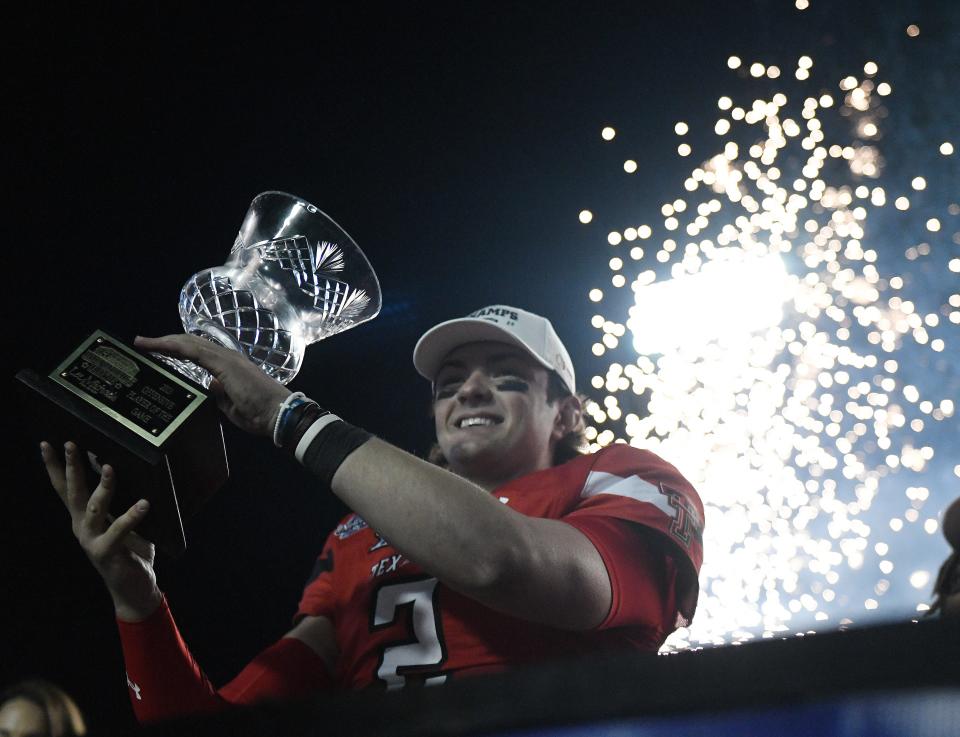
471, 421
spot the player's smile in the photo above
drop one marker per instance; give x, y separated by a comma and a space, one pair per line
477, 420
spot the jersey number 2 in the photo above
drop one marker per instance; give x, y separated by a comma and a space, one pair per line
424, 652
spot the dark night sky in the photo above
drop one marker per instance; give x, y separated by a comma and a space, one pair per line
455, 143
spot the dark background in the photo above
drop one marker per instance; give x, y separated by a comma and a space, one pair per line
456, 144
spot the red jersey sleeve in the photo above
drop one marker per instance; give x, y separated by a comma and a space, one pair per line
643, 579
636, 486
166, 682
319, 593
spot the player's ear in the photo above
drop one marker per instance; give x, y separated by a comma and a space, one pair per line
569, 416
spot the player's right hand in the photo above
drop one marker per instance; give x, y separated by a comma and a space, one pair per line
122, 558
244, 393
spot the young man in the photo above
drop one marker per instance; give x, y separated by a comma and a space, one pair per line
506, 558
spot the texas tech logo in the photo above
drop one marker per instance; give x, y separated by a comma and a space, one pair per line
686, 525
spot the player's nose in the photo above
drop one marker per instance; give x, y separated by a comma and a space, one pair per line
476, 388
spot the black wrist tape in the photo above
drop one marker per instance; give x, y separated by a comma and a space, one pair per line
330, 447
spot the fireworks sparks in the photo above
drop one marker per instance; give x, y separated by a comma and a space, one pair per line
776, 356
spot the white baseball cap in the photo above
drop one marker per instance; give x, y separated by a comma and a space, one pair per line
534, 334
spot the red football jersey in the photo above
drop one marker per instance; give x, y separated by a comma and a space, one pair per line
395, 623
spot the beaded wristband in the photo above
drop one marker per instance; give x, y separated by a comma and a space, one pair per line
286, 405
290, 417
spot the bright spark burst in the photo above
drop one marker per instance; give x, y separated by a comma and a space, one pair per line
777, 356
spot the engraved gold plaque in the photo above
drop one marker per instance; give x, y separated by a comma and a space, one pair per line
159, 431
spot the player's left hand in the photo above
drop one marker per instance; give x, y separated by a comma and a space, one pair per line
245, 394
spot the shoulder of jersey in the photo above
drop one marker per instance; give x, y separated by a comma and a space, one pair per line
621, 458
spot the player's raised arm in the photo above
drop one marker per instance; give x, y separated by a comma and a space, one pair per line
164, 679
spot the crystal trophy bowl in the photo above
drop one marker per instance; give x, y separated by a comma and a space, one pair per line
293, 277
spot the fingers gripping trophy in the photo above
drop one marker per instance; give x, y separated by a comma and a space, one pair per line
293, 277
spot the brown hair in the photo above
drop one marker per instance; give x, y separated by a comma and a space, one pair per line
61, 713
570, 446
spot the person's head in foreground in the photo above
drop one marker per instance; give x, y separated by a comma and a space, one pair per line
503, 394
947, 587
37, 708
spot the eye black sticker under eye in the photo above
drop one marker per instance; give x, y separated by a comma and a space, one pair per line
513, 385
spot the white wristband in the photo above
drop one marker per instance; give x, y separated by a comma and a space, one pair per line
312, 432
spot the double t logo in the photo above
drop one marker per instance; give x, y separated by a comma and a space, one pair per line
686, 520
